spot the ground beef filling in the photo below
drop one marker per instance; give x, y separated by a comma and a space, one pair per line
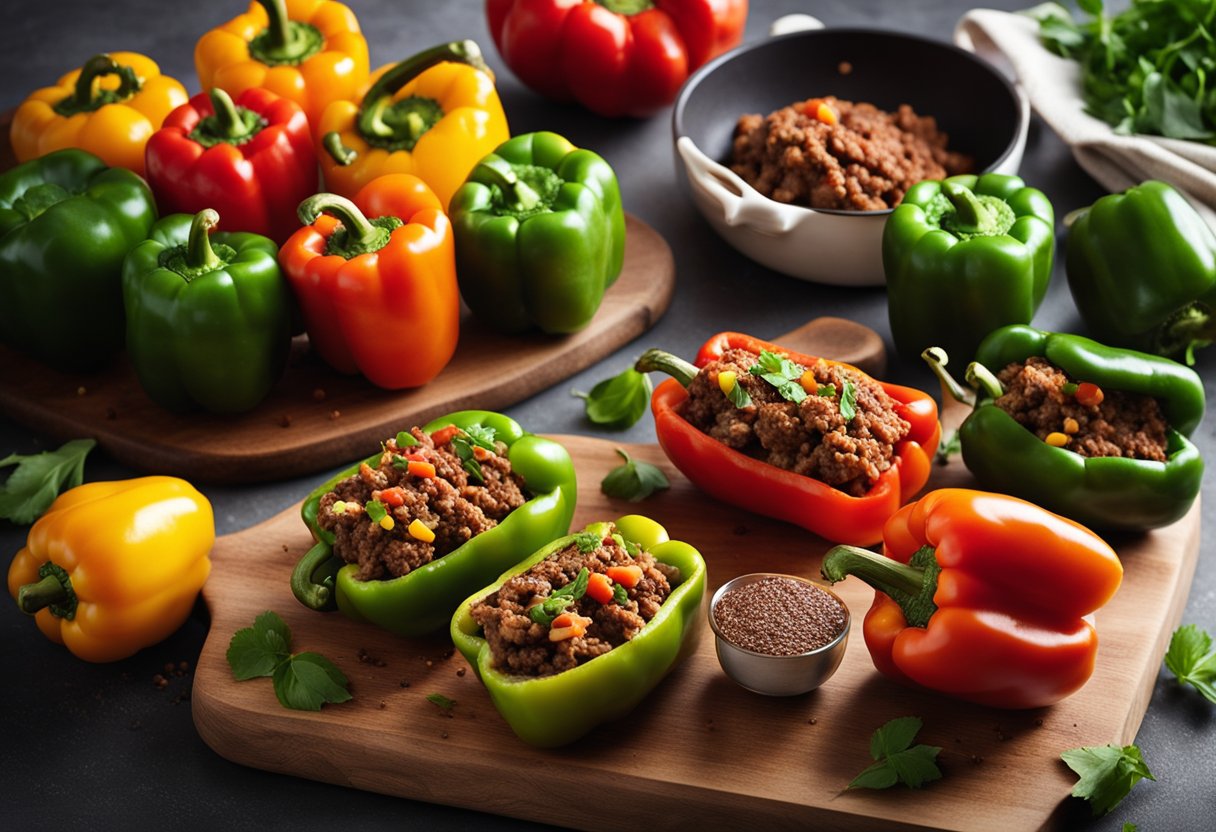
865, 161
811, 438
454, 506
1123, 424
522, 646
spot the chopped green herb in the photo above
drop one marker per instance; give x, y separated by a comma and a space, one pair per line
828, 390
618, 402
1128, 826
739, 396
1191, 659
1107, 773
950, 445
405, 439
898, 761
560, 599
848, 401
376, 510
39, 478
587, 542
464, 451
482, 436
782, 373
620, 595
633, 480
632, 548
1069, 389
302, 681
444, 703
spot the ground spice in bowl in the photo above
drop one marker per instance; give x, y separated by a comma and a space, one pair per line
779, 616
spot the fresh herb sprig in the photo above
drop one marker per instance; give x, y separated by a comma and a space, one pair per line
1190, 658
633, 480
560, 600
618, 402
1144, 70
440, 701
1107, 773
898, 761
302, 681
463, 443
782, 373
39, 479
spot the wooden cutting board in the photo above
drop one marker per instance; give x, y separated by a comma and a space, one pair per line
316, 418
700, 750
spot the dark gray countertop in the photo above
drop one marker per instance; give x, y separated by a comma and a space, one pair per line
101, 746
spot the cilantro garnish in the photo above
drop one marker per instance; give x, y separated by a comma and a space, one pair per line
587, 542
560, 599
405, 439
30, 490
376, 510
302, 681
782, 373
1107, 773
848, 401
898, 761
618, 402
1191, 659
828, 390
443, 702
634, 480
738, 395
464, 451
620, 595
482, 436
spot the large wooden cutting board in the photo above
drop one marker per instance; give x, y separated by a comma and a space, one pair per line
316, 418
701, 750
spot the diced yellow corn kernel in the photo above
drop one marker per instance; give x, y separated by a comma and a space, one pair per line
387, 522
1071, 426
826, 114
339, 507
1057, 439
419, 531
727, 381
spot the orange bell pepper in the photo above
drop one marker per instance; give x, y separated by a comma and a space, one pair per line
109, 107
434, 115
378, 296
310, 51
984, 597
113, 567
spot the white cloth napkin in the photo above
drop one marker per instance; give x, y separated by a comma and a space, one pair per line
1053, 85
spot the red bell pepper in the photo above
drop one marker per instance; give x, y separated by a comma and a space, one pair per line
379, 295
615, 57
251, 160
983, 597
738, 479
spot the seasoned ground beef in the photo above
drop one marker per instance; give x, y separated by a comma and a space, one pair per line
522, 646
1123, 424
452, 506
811, 438
865, 161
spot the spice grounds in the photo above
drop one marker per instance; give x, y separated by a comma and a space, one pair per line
779, 616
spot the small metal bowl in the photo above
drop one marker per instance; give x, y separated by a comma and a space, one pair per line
777, 675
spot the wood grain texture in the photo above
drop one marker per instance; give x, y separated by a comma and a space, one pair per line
297, 429
701, 750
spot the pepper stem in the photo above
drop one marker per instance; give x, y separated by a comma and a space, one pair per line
41, 594
84, 99
340, 153
937, 360
910, 585
1187, 330
278, 29
981, 378
517, 195
312, 580
626, 8
661, 361
199, 254
359, 231
228, 121
284, 42
970, 214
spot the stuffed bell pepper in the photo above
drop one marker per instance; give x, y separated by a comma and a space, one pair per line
208, 316
540, 235
809, 441
965, 256
404, 535
310, 51
1142, 268
376, 281
583, 629
1094, 433
109, 107
983, 597
251, 159
66, 223
113, 567
433, 115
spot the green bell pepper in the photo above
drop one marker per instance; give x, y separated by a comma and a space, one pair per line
540, 235
1114, 493
422, 600
549, 711
964, 256
66, 223
1142, 269
206, 325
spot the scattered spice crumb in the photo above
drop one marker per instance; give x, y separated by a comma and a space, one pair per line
383, 704
181, 697
169, 667
285, 421
460, 671
335, 415
430, 663
318, 395
366, 658
1039, 723
160, 681
844, 68
444, 735
812, 721
285, 549
81, 390
976, 759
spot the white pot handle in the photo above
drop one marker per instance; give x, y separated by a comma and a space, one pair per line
794, 23
739, 202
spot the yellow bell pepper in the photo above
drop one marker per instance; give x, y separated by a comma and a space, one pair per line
109, 107
113, 567
434, 115
310, 51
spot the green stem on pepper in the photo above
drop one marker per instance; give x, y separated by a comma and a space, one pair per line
340, 153
52, 590
911, 585
655, 360
312, 579
284, 42
937, 360
199, 254
517, 196
981, 378
85, 100
358, 235
229, 124
975, 215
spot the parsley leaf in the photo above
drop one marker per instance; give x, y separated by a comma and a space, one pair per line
948, 447
898, 761
444, 703
587, 542
39, 478
828, 390
482, 436
782, 373
464, 451
634, 480
405, 439
376, 510
618, 402
1191, 659
848, 401
560, 599
620, 595
1107, 773
738, 395
1128, 826
302, 681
